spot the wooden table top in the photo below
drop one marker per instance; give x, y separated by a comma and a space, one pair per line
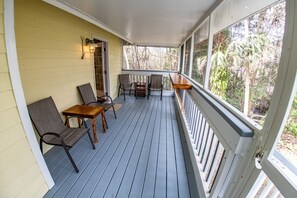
180, 82
84, 111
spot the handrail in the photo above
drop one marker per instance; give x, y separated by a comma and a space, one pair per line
240, 127
218, 141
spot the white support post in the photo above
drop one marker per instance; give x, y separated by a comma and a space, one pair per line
209, 52
18, 90
191, 56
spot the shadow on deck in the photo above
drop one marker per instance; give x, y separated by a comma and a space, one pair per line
141, 155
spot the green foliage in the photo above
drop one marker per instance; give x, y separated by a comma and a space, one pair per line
246, 58
220, 76
199, 61
219, 81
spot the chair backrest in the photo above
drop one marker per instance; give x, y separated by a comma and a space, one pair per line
45, 116
86, 93
124, 79
156, 81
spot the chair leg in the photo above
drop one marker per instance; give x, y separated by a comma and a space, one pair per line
124, 95
148, 93
161, 93
70, 158
40, 144
119, 90
106, 123
93, 145
114, 112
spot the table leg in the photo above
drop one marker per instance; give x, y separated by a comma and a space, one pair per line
79, 122
103, 122
67, 122
94, 130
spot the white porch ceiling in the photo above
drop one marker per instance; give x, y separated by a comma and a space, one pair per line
142, 22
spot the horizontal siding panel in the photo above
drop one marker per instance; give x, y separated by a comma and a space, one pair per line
10, 137
23, 180
7, 100
37, 63
48, 36
2, 46
32, 53
1, 24
15, 171
47, 43
8, 119
14, 153
59, 74
36, 189
3, 64
52, 22
1, 6
5, 83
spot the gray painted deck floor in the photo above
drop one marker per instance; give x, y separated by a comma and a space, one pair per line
140, 155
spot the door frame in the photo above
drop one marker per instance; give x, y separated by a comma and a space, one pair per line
105, 62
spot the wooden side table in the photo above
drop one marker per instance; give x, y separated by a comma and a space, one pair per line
86, 112
140, 89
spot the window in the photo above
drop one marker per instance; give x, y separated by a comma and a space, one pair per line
245, 60
150, 58
200, 53
287, 144
187, 56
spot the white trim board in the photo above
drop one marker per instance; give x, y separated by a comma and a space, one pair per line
13, 65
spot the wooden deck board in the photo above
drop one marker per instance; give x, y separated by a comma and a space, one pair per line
140, 156
172, 188
160, 182
130, 137
139, 176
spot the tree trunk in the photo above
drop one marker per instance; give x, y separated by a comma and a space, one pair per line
247, 75
247, 89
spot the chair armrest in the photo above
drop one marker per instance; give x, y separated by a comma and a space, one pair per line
92, 103
104, 96
53, 134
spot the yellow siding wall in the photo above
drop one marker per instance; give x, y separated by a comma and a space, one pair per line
19, 174
49, 52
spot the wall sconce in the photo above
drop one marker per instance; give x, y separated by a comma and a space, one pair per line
88, 42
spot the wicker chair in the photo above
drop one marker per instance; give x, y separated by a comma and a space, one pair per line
125, 85
155, 84
88, 97
50, 127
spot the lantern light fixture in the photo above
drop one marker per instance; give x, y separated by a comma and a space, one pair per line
87, 42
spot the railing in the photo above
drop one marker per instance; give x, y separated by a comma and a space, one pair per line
217, 140
264, 188
207, 146
142, 76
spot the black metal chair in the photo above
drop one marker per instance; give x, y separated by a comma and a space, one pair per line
125, 84
155, 84
88, 97
49, 125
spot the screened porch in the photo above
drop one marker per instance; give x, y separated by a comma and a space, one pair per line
142, 154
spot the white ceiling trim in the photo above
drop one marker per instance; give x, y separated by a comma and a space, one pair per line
84, 16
